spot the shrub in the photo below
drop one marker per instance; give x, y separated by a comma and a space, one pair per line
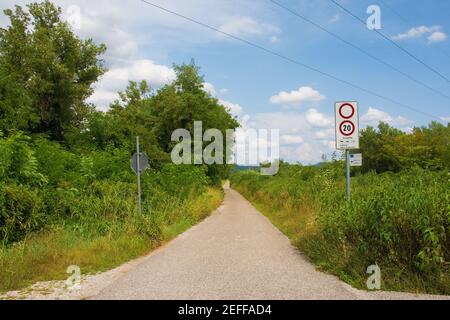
18, 161
182, 180
21, 211
400, 218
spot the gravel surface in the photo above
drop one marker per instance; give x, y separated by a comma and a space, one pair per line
234, 254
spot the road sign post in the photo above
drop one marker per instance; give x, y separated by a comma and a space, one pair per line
347, 156
347, 132
139, 176
139, 163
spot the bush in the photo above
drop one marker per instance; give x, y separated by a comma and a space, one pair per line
21, 211
18, 161
398, 219
182, 180
112, 164
94, 192
57, 164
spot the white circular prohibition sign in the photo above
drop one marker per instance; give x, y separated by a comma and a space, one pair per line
347, 111
347, 128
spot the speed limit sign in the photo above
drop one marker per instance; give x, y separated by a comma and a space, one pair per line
347, 125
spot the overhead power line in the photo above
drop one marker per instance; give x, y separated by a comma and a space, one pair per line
367, 53
409, 24
257, 46
393, 42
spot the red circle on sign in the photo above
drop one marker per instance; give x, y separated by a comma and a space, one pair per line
342, 131
346, 105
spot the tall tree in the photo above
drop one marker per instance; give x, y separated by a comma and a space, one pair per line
155, 115
46, 72
389, 149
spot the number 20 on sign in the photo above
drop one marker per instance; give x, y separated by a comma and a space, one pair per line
347, 125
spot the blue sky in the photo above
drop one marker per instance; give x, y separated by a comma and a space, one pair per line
266, 91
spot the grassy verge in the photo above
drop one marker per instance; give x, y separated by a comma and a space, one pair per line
46, 255
398, 221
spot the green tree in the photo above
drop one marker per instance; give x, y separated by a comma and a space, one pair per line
378, 147
390, 149
46, 72
182, 103
155, 115
132, 116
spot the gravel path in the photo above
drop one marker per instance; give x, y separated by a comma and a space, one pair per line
234, 254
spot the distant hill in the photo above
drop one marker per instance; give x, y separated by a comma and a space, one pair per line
245, 168
320, 164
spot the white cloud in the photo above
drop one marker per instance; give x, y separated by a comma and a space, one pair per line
298, 97
306, 153
102, 98
435, 34
447, 119
209, 88
416, 32
325, 134
156, 75
105, 26
117, 78
247, 27
291, 139
299, 139
317, 119
306, 136
234, 108
129, 27
374, 116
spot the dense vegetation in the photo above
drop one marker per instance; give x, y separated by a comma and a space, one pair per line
399, 219
68, 196
387, 149
67, 193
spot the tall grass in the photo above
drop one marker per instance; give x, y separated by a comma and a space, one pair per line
399, 221
60, 208
97, 244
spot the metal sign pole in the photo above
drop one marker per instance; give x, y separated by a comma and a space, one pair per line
139, 176
347, 134
347, 154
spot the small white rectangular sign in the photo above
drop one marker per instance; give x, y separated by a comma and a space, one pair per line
347, 125
356, 160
